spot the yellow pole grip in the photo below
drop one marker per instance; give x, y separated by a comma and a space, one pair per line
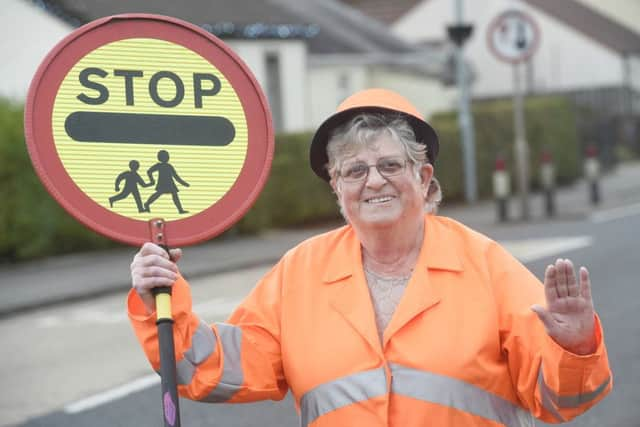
163, 305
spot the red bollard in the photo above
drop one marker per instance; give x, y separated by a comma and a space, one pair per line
501, 189
592, 173
548, 182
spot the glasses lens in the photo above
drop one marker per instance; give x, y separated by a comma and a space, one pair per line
390, 166
354, 171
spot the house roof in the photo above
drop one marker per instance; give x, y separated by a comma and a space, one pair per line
384, 10
336, 27
591, 23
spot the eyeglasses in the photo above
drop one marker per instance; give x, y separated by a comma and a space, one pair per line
359, 171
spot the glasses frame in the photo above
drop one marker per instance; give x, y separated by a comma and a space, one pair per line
386, 176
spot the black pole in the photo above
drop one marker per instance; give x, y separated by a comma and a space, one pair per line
170, 402
164, 322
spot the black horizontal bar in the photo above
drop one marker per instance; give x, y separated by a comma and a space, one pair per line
162, 129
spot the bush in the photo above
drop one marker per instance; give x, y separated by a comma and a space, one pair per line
550, 125
32, 224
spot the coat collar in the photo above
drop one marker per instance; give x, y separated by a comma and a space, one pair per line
439, 251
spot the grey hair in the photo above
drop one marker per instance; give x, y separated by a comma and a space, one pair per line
364, 129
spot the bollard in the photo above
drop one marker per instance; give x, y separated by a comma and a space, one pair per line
592, 174
548, 181
501, 189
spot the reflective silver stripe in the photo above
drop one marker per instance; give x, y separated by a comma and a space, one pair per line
545, 394
232, 375
454, 393
203, 344
570, 401
342, 392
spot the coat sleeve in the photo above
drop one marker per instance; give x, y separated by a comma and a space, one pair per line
551, 382
236, 361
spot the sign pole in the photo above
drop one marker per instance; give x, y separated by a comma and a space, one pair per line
164, 322
513, 36
521, 145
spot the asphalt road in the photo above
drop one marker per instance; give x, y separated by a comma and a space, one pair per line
79, 365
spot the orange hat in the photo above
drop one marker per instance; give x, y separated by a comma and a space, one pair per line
370, 101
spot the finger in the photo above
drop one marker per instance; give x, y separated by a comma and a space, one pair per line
585, 284
175, 254
572, 284
159, 272
157, 261
149, 283
550, 284
152, 249
561, 278
544, 316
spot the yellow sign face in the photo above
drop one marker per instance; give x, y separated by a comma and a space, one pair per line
148, 128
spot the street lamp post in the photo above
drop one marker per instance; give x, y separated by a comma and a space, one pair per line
459, 33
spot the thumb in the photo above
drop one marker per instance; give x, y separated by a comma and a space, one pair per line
175, 254
544, 316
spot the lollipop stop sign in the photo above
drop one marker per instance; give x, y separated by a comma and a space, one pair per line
137, 117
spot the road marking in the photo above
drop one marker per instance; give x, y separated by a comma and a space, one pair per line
616, 213
113, 394
213, 308
529, 250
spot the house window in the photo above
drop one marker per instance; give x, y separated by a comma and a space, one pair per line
274, 90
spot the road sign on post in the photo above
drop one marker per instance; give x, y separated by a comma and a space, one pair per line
513, 37
148, 128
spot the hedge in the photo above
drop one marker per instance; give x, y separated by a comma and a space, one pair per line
33, 225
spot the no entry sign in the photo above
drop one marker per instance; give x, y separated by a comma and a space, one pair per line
138, 116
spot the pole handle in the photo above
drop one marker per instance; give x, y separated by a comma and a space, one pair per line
164, 322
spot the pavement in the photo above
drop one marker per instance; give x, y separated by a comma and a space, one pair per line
62, 279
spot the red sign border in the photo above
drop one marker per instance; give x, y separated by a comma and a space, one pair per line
47, 164
496, 21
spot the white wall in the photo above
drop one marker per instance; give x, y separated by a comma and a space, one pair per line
27, 34
328, 89
428, 95
328, 86
565, 59
293, 69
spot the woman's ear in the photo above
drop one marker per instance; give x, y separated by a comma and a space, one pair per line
426, 173
334, 186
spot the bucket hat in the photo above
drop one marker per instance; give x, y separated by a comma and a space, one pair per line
370, 101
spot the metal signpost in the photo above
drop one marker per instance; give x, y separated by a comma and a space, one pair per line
513, 37
148, 128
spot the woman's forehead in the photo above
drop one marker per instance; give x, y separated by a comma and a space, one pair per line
381, 145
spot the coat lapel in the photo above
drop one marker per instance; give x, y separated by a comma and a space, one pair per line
349, 292
438, 253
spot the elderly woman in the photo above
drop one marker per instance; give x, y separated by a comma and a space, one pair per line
399, 318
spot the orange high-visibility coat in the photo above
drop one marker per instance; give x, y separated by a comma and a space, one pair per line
462, 349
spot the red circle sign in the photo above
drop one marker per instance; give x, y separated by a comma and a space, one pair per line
134, 117
513, 36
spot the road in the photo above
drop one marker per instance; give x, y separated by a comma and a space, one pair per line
79, 364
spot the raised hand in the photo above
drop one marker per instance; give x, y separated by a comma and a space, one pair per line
569, 315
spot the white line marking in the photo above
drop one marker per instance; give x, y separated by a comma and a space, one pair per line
616, 213
113, 394
533, 249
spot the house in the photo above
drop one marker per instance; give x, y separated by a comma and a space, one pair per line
589, 51
584, 43
307, 55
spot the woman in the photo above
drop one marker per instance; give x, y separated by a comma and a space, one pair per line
396, 319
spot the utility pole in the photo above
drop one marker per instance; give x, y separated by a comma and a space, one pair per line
459, 33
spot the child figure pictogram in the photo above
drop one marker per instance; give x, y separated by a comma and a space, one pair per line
165, 184
131, 180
